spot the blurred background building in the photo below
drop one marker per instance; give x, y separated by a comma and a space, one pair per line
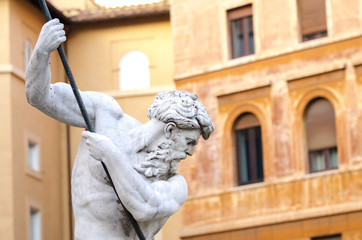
280, 78
124, 51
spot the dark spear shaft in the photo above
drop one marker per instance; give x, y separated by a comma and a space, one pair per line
87, 120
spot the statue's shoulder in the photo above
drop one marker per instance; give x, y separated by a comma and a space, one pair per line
179, 188
105, 103
177, 179
130, 121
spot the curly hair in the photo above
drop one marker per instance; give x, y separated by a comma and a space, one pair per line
183, 109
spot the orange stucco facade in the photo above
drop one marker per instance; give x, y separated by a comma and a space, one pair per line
275, 84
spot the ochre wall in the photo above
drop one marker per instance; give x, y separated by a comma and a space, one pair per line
69, 4
278, 100
4, 33
94, 51
6, 179
45, 190
276, 84
200, 31
6, 145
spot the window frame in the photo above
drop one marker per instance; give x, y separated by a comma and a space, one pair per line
33, 155
33, 139
242, 14
306, 31
324, 149
35, 234
254, 164
326, 159
32, 205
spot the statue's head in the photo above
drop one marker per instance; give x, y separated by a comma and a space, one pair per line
182, 109
177, 120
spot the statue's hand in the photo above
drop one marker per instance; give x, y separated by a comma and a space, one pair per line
98, 145
51, 36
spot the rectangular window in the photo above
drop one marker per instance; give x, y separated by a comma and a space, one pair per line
313, 19
35, 224
241, 31
33, 155
250, 156
329, 237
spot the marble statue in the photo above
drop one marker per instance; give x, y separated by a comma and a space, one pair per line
142, 159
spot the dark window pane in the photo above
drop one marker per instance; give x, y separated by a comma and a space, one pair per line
332, 158
243, 148
259, 155
238, 38
250, 156
317, 161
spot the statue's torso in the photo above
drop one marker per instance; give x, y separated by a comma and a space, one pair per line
98, 213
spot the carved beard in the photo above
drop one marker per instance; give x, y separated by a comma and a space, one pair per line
162, 162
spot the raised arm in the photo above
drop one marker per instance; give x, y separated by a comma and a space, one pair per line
145, 200
56, 100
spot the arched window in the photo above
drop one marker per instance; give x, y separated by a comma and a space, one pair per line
134, 71
321, 135
249, 152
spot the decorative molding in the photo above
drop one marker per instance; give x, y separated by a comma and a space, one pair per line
266, 55
13, 70
233, 225
200, 227
316, 71
357, 63
261, 90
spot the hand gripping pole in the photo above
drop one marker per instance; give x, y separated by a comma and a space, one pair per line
87, 120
